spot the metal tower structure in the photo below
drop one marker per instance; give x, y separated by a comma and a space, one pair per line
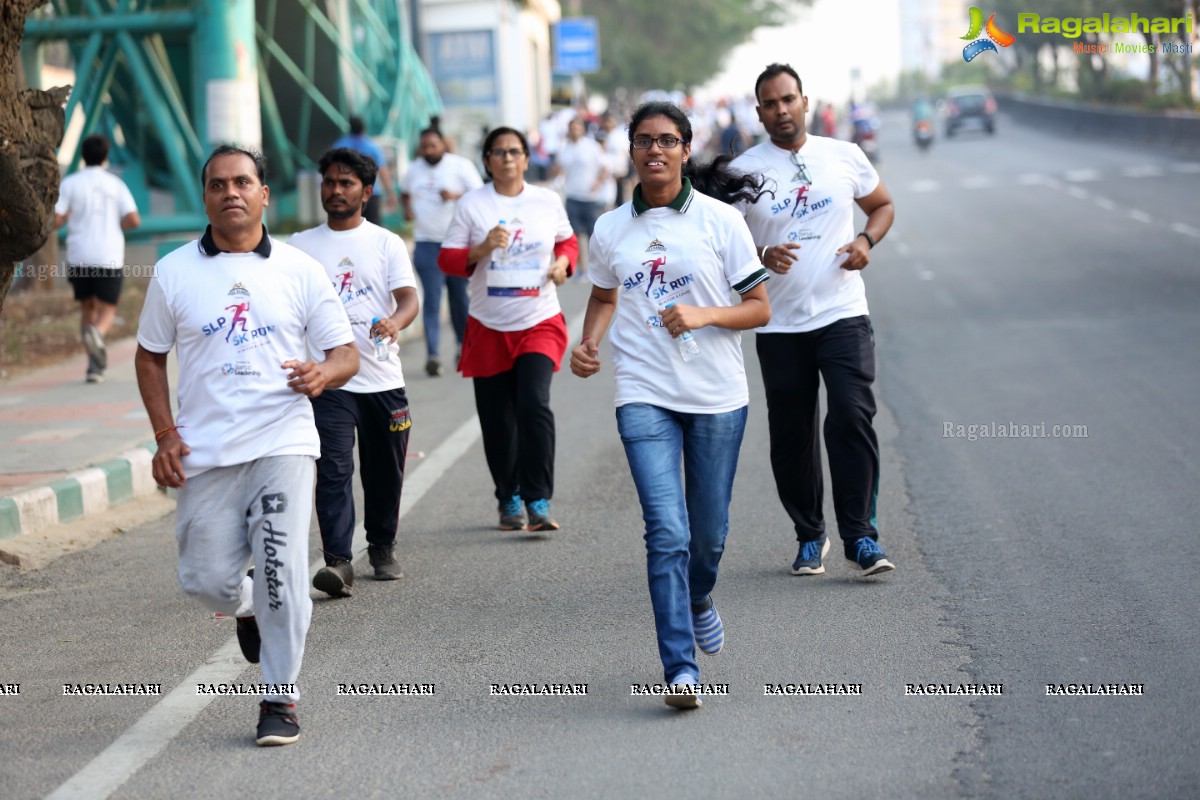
167, 80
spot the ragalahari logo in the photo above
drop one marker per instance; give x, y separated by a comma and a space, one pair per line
991, 35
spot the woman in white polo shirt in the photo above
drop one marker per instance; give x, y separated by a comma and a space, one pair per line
514, 243
665, 266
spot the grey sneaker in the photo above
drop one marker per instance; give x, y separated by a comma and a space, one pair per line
94, 342
539, 516
335, 579
512, 514
383, 559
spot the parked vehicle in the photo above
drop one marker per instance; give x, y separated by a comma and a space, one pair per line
969, 107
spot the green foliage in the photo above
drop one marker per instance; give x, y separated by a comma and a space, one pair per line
671, 45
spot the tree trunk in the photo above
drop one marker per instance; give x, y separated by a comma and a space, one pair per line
31, 128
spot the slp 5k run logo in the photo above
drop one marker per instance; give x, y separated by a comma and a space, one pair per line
992, 35
236, 325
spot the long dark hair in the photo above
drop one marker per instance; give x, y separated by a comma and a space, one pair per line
713, 179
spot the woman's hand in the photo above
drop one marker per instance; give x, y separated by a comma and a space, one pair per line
558, 270
679, 319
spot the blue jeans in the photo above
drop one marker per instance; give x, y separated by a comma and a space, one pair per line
425, 256
683, 466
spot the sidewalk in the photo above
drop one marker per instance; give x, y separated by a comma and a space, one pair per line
69, 448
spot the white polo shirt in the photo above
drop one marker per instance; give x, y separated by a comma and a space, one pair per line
522, 295
364, 265
424, 183
234, 318
816, 292
96, 201
698, 252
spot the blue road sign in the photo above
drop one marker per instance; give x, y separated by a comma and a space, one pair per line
577, 45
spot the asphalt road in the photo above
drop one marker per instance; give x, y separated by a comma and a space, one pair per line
1027, 280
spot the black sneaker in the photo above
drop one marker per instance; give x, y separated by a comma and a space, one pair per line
247, 633
248, 638
383, 559
866, 555
433, 368
335, 579
808, 560
512, 514
276, 724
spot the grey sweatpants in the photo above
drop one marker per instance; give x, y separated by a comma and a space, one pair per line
263, 509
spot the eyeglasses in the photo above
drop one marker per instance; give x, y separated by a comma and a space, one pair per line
513, 152
666, 141
801, 175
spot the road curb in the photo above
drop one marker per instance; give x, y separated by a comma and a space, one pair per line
80, 494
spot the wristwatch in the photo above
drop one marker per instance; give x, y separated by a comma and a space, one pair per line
870, 239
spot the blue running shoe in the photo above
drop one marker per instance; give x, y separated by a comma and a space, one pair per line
539, 516
684, 693
866, 555
808, 560
709, 631
512, 514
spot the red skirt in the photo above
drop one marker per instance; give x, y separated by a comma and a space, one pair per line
487, 352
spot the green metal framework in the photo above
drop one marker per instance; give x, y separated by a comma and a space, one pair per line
139, 79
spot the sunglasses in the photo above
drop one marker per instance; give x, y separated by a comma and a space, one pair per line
801, 175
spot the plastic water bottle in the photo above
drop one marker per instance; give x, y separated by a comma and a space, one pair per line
500, 256
689, 348
381, 344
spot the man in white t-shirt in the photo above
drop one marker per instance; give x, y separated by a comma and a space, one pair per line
584, 166
100, 209
368, 267
239, 308
432, 187
819, 327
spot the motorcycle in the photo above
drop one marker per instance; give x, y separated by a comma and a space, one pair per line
923, 134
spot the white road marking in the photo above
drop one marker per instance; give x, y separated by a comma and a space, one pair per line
106, 773
976, 182
1078, 193
1081, 175
1187, 167
927, 185
1140, 216
1106, 204
1186, 230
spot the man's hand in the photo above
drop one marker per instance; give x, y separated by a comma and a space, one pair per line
857, 253
779, 257
387, 328
307, 379
585, 359
167, 465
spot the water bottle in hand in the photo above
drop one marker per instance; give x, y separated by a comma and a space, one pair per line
500, 257
381, 344
689, 348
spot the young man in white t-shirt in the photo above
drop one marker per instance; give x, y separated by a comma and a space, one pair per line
819, 326
238, 308
432, 186
100, 209
369, 269
584, 166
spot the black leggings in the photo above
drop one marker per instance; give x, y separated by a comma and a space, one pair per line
518, 428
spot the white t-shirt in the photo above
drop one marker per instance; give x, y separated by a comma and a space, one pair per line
365, 264
816, 292
616, 155
424, 183
581, 162
96, 201
697, 256
521, 295
235, 317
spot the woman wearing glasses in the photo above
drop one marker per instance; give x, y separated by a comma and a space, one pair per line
664, 267
514, 243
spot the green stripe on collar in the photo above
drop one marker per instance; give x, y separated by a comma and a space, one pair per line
680, 203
